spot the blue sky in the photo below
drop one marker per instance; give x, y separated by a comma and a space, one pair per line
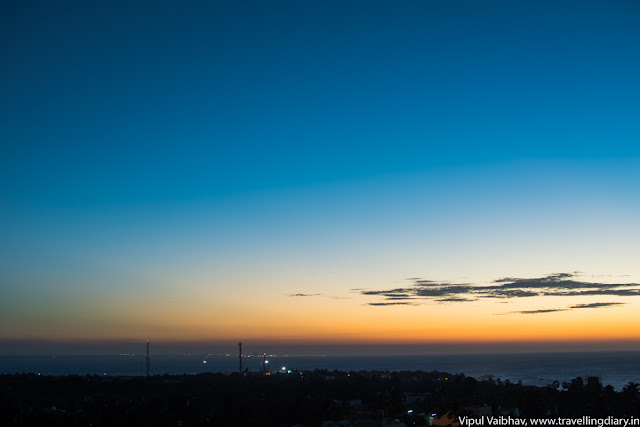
162, 147
173, 102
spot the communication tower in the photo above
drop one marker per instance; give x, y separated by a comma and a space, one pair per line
148, 360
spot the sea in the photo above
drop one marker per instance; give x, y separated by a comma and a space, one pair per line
615, 368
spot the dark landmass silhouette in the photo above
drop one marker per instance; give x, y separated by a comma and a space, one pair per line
301, 398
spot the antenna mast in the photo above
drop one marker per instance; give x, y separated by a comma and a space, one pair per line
148, 359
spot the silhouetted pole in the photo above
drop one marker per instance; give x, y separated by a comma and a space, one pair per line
240, 356
148, 360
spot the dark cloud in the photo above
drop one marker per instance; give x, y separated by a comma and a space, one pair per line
557, 284
546, 310
444, 291
454, 299
598, 305
615, 292
573, 307
536, 282
510, 293
389, 303
391, 292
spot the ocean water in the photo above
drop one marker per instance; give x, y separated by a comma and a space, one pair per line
614, 368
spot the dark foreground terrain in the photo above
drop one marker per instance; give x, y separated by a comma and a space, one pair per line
299, 398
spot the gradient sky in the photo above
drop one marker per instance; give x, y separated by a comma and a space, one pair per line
291, 173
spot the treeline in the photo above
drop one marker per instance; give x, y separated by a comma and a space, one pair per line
300, 398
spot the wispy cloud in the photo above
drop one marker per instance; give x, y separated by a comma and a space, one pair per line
390, 303
573, 307
544, 310
455, 299
558, 284
598, 305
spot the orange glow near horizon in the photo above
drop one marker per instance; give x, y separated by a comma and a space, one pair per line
201, 314
311, 322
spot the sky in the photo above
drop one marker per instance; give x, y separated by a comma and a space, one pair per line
319, 176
